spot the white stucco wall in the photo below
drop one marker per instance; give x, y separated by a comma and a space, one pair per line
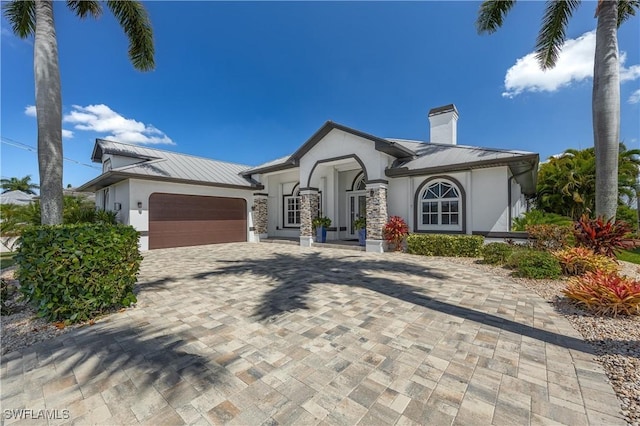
341, 144
132, 191
490, 199
277, 185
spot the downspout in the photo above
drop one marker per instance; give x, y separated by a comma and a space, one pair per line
510, 216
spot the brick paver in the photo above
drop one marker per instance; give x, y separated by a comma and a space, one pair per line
273, 334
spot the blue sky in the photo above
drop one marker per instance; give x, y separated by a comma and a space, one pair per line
249, 82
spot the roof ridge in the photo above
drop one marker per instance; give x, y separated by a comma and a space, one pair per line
174, 152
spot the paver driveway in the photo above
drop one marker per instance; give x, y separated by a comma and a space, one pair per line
277, 334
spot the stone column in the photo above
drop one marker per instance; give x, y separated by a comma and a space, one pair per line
260, 215
308, 210
376, 216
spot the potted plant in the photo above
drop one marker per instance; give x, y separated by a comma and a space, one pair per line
321, 224
361, 226
395, 231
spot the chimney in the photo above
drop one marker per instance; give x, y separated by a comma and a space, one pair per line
444, 124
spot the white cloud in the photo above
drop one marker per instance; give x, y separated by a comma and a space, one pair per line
30, 110
635, 97
102, 119
67, 134
575, 64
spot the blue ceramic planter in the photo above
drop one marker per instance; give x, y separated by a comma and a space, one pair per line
321, 234
362, 236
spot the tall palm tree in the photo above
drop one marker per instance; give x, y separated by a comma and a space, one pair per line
606, 76
35, 17
18, 184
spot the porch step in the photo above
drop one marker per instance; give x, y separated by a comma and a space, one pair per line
279, 241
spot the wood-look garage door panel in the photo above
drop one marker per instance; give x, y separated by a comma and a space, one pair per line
188, 220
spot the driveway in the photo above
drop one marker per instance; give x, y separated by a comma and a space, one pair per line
276, 334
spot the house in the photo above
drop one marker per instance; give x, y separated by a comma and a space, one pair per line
343, 173
17, 197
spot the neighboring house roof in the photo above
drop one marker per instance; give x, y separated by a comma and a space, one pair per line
16, 197
156, 164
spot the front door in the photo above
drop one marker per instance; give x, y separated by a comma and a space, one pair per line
357, 208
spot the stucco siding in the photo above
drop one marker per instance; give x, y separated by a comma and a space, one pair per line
277, 185
490, 199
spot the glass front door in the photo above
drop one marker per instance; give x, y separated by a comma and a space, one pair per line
357, 203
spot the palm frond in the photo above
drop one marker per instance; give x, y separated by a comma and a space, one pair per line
134, 20
553, 31
21, 14
491, 15
82, 8
627, 9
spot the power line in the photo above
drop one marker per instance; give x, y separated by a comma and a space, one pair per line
30, 148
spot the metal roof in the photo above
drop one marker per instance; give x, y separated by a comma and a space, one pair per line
167, 165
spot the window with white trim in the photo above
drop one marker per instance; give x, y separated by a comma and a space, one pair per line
440, 207
292, 208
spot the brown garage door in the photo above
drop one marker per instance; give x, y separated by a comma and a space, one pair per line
189, 220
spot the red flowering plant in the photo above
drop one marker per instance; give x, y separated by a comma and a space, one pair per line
603, 237
605, 293
395, 231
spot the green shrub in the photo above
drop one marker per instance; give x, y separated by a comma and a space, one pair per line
74, 272
530, 263
496, 253
538, 217
445, 245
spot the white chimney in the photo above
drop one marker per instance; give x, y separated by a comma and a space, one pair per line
444, 124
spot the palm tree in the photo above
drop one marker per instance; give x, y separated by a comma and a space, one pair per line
14, 184
606, 76
35, 17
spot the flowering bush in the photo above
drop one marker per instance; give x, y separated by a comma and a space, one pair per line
605, 293
395, 231
579, 260
603, 237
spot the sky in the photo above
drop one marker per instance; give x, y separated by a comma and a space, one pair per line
248, 82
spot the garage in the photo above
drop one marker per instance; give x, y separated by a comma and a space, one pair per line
177, 220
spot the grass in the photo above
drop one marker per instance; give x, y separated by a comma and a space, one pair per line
632, 256
6, 260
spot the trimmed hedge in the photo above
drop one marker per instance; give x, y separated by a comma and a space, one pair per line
445, 245
496, 253
72, 273
531, 263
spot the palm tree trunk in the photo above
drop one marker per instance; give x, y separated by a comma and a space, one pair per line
49, 113
606, 109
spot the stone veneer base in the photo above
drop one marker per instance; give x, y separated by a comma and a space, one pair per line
306, 241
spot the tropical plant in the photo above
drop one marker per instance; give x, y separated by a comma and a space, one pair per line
539, 217
35, 18
606, 77
605, 293
360, 223
395, 231
567, 183
604, 237
321, 221
15, 184
580, 260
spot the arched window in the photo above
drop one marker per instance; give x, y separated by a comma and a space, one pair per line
440, 206
359, 183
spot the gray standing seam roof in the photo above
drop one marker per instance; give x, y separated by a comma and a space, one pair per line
173, 165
